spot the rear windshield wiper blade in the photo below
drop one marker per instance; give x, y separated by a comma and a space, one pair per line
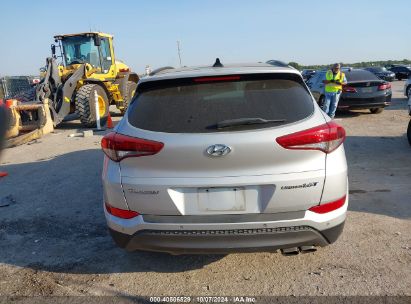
245, 121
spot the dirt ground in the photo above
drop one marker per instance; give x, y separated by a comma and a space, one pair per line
54, 241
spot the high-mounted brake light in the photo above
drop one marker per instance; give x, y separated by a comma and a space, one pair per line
328, 207
384, 86
348, 89
117, 146
121, 213
326, 138
215, 79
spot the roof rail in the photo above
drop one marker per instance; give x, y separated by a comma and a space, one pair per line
156, 71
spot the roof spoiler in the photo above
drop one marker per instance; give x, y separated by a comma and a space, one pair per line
278, 63
156, 71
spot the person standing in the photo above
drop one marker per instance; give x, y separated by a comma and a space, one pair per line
334, 80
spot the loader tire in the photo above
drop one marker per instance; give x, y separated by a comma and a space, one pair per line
131, 89
26, 96
85, 105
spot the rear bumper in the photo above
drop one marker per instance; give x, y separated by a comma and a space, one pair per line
364, 103
227, 233
226, 241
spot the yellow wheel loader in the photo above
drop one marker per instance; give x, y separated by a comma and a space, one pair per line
86, 68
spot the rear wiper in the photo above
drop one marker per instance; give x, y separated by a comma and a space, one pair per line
245, 121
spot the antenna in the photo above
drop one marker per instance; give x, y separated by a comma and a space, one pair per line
178, 50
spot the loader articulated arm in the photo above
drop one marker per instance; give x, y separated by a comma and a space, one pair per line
60, 94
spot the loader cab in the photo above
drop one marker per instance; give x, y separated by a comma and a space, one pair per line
92, 48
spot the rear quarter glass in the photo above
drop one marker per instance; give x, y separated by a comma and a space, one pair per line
185, 105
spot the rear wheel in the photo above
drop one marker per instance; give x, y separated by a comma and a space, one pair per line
321, 101
131, 89
86, 108
376, 110
409, 132
409, 91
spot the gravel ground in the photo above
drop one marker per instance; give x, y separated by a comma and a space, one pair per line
53, 237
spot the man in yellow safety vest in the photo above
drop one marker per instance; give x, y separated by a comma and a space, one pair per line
334, 80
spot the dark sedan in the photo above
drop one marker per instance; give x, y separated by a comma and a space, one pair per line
364, 90
401, 71
382, 73
307, 74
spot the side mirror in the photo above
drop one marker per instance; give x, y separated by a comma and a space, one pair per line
97, 40
53, 50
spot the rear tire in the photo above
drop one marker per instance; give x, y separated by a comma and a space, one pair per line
85, 105
376, 110
409, 132
409, 92
131, 89
321, 101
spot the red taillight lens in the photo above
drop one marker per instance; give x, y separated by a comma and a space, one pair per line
348, 89
328, 207
117, 146
122, 213
384, 86
214, 79
123, 70
326, 138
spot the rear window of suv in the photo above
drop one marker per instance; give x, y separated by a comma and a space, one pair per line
198, 105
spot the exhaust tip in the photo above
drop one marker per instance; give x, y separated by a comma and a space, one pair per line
290, 251
307, 249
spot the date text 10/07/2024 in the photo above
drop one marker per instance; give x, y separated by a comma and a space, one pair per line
202, 299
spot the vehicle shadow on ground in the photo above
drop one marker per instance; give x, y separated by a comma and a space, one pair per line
54, 219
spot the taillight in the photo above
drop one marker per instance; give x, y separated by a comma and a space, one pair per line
122, 213
326, 138
348, 89
123, 70
384, 86
117, 146
214, 79
328, 207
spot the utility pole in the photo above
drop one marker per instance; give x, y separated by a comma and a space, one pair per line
178, 50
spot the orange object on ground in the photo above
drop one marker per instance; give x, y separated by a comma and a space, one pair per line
9, 103
109, 122
3, 174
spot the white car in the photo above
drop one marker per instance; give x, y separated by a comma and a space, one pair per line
223, 159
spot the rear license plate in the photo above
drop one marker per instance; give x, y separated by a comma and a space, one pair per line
221, 199
366, 90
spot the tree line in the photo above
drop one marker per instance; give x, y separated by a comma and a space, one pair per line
362, 64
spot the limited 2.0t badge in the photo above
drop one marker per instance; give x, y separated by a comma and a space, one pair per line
218, 150
305, 185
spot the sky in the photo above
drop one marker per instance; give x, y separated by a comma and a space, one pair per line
145, 32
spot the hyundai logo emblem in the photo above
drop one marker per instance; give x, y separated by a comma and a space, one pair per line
218, 150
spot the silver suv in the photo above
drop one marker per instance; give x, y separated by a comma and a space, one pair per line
224, 159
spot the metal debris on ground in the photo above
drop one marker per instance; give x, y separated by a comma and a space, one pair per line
7, 201
87, 133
